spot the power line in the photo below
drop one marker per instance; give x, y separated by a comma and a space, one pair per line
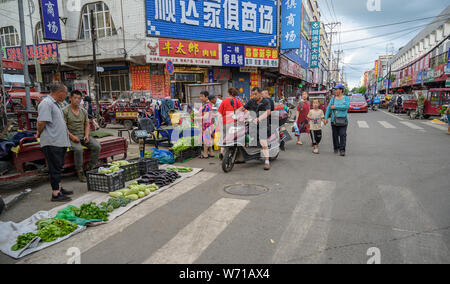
392, 33
393, 24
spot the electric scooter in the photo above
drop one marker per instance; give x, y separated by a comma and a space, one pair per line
242, 146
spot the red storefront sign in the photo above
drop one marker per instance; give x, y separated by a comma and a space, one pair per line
188, 49
261, 57
183, 52
439, 73
46, 53
290, 68
140, 78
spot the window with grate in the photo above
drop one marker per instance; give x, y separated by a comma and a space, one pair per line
9, 36
104, 24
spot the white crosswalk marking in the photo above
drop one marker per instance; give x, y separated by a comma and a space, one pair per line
316, 200
95, 235
363, 124
437, 126
415, 232
386, 124
411, 125
191, 241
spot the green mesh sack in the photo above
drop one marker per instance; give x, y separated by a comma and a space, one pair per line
68, 214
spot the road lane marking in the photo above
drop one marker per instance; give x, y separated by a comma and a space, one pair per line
393, 115
440, 127
196, 237
363, 124
95, 235
411, 125
386, 124
406, 213
305, 225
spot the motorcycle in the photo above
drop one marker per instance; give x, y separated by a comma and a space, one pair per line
238, 139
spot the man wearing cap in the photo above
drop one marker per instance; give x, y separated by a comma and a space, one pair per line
338, 109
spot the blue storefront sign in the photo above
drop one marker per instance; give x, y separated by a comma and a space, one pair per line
291, 22
419, 78
252, 22
300, 55
447, 69
51, 26
233, 55
315, 44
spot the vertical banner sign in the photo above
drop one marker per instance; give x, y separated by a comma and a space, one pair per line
140, 78
291, 17
315, 44
447, 69
376, 69
51, 26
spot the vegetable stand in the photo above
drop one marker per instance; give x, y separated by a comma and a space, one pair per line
102, 201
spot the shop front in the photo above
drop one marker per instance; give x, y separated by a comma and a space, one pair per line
292, 77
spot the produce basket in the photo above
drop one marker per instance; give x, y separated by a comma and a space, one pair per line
184, 155
131, 171
146, 164
105, 182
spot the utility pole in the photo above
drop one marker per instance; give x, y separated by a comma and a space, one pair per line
94, 63
332, 26
2, 78
37, 64
24, 56
339, 52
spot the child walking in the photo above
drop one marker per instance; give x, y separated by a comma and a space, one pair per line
316, 117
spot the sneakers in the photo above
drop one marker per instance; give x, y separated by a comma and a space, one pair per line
316, 151
60, 198
267, 167
342, 153
81, 176
66, 192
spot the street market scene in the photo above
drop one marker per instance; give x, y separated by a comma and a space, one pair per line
224, 132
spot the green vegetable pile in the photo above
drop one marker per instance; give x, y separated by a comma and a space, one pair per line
59, 228
148, 155
134, 191
91, 211
114, 203
23, 240
442, 110
180, 170
120, 163
49, 230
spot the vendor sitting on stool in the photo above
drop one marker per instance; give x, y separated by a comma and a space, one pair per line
79, 133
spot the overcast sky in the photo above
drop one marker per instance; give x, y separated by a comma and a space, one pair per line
360, 56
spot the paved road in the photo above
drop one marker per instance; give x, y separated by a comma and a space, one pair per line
391, 192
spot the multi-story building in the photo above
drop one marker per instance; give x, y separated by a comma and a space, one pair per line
422, 62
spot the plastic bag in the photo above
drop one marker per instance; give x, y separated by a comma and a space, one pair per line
69, 215
444, 118
164, 157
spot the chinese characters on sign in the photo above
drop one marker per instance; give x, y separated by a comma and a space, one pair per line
51, 26
140, 78
315, 45
233, 55
160, 86
183, 52
46, 53
261, 57
251, 22
290, 68
290, 24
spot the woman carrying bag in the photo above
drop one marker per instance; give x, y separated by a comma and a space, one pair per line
338, 109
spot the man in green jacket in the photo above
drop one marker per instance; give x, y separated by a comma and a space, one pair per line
79, 133
420, 105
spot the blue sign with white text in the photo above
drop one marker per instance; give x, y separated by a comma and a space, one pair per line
233, 55
51, 26
291, 23
252, 22
315, 44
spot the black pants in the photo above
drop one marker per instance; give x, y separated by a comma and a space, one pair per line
339, 137
55, 157
316, 137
